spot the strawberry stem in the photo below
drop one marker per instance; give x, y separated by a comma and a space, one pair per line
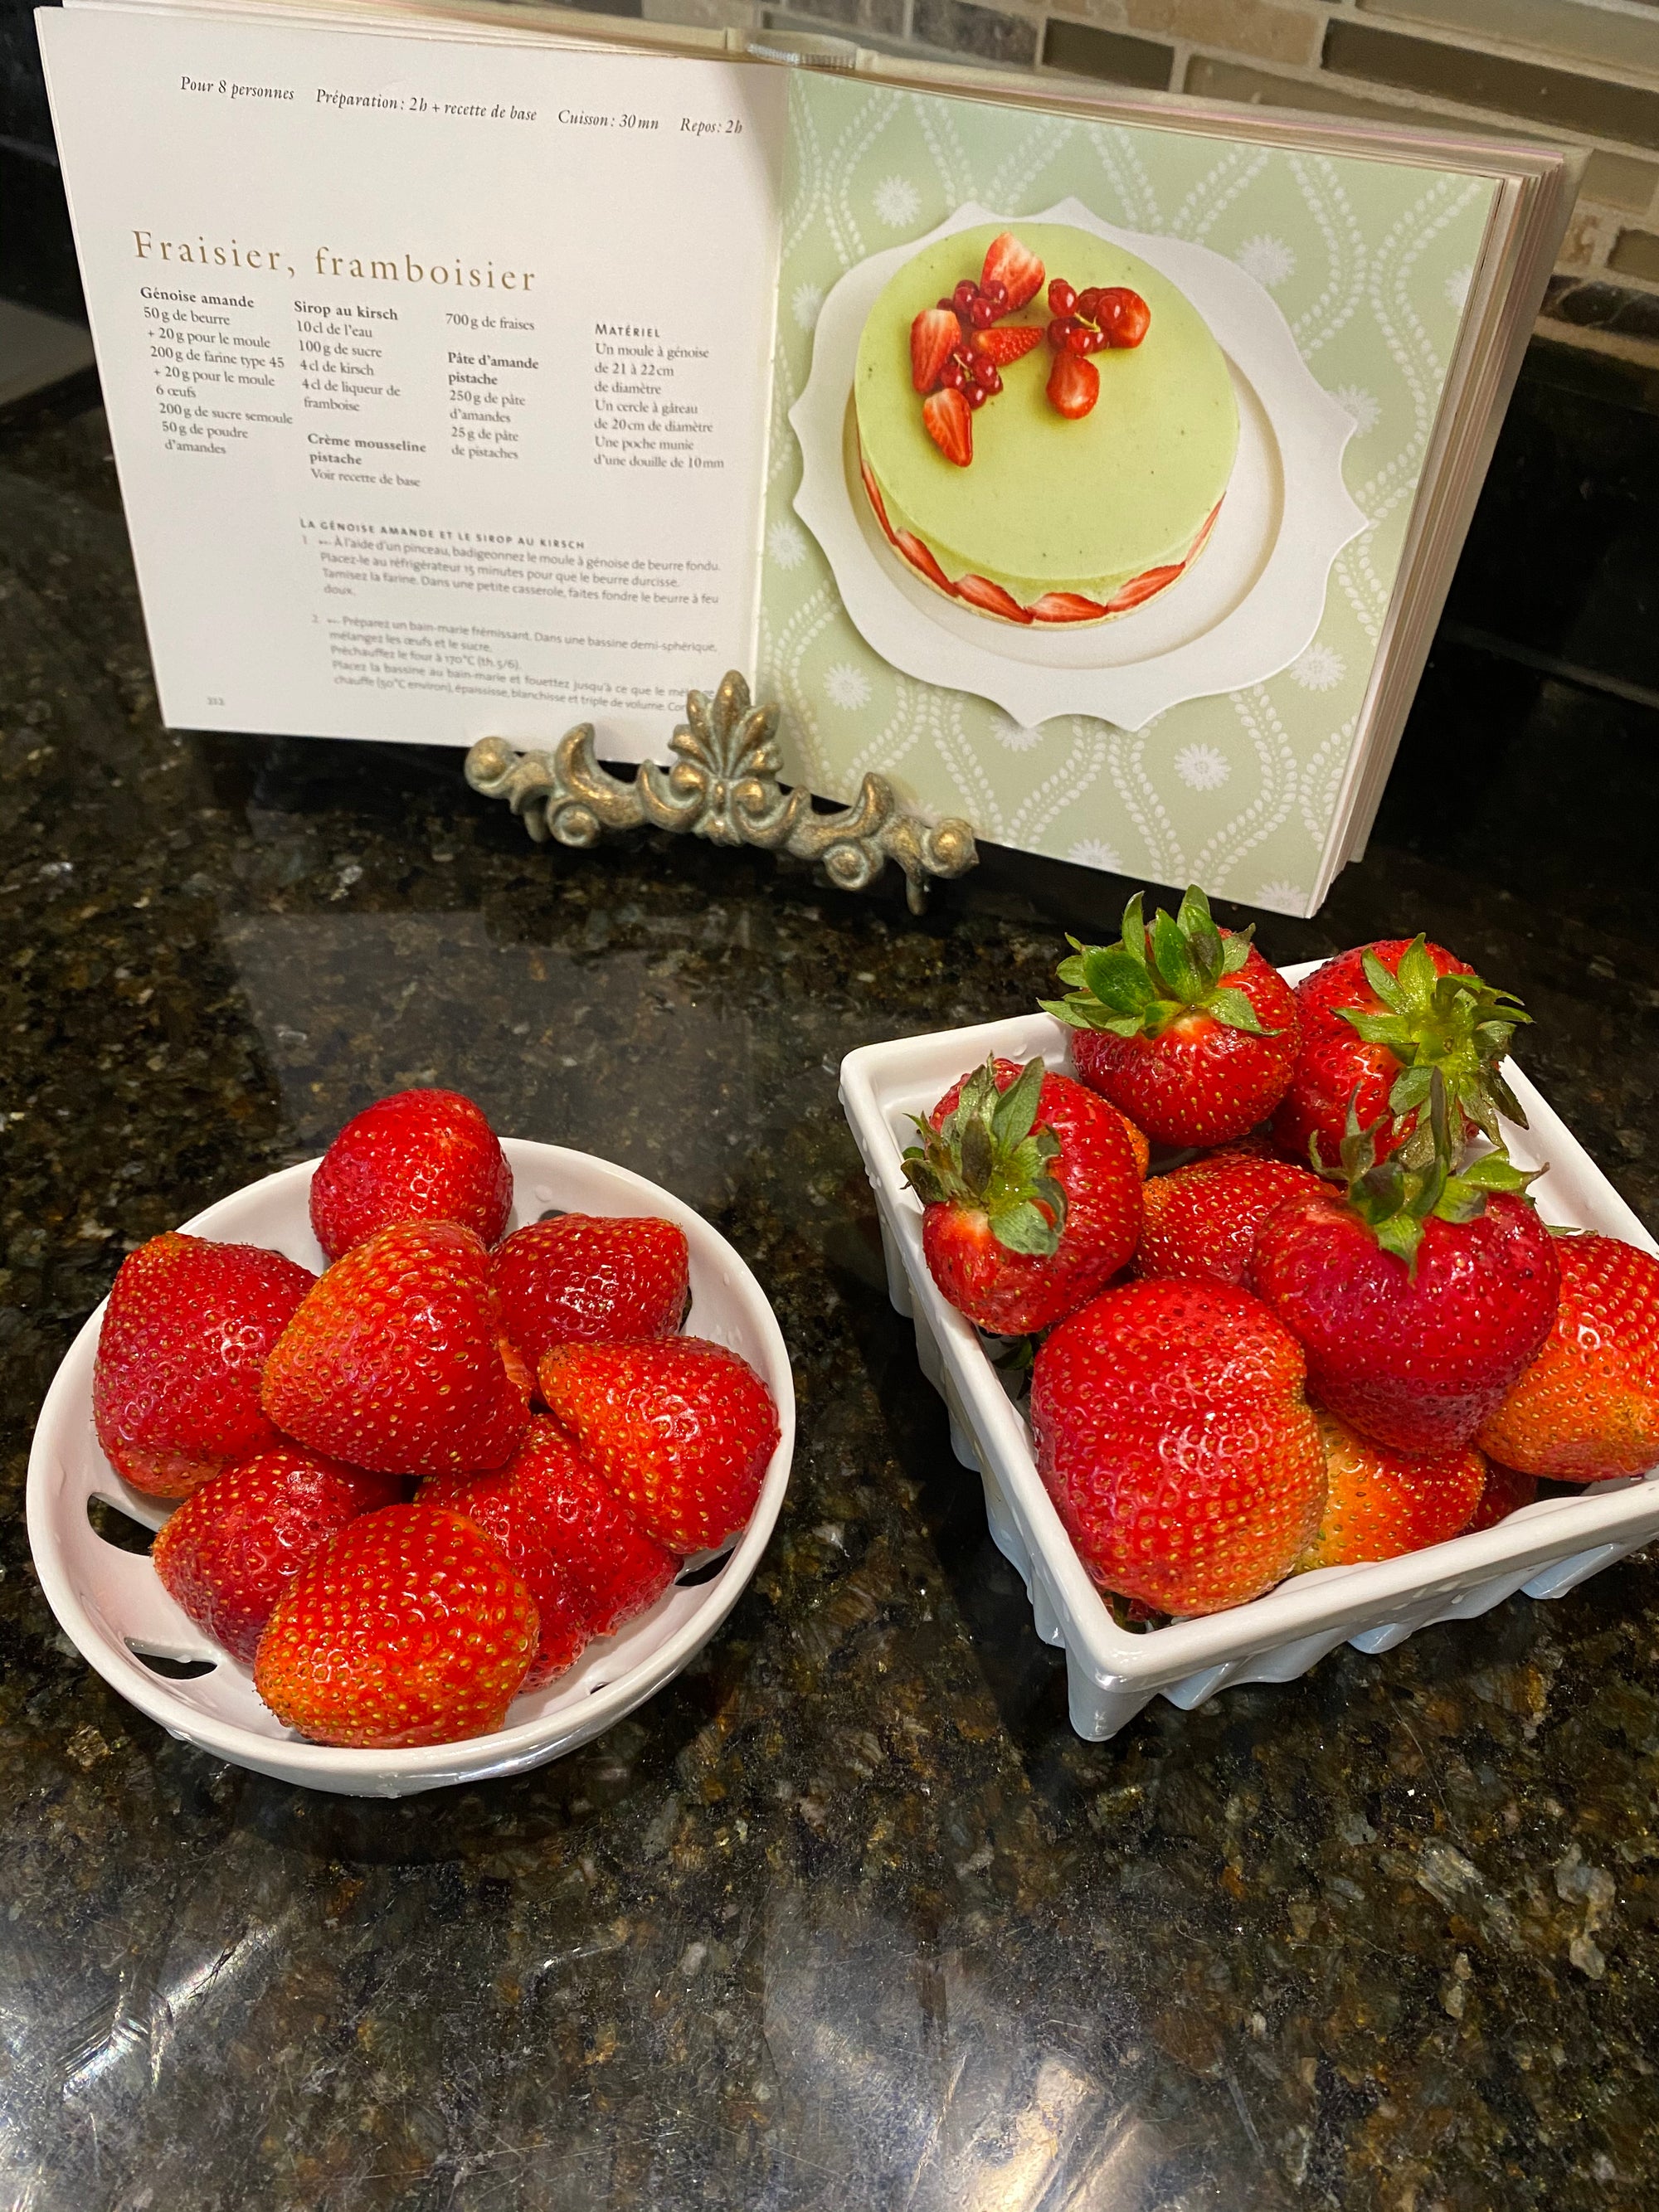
1395, 1195
1456, 1025
992, 1156
1149, 979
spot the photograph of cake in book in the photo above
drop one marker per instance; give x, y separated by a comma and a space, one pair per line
1094, 456
1091, 485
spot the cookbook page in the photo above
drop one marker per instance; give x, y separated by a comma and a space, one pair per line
434, 372
1102, 558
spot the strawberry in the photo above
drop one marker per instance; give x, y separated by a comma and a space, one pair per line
528, 1533
1421, 1295
1376, 1023
614, 1571
1380, 1502
680, 1431
980, 591
1174, 1437
1587, 1410
417, 1156
1505, 1492
934, 336
1073, 385
1013, 266
949, 421
233, 1546
175, 1387
1139, 1143
1030, 1196
1201, 1219
396, 1360
409, 1627
584, 1278
1183, 1026
1002, 345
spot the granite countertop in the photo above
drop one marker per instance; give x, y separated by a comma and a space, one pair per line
846, 1917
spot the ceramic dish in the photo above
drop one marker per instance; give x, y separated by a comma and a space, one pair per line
112, 1607
1244, 611
1545, 1549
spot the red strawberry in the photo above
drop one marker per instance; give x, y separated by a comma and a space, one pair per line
1376, 1023
233, 1546
1066, 607
1420, 1296
175, 1387
587, 1278
680, 1429
1587, 1410
1123, 316
1380, 1502
1073, 385
1030, 1196
408, 1627
1173, 1436
1013, 266
1505, 1492
613, 1571
934, 336
1201, 1219
1184, 1026
949, 421
417, 1156
980, 591
1139, 1143
516, 1518
396, 1360
1001, 345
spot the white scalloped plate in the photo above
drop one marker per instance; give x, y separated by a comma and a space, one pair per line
111, 1606
1247, 607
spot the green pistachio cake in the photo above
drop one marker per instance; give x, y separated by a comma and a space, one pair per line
1055, 517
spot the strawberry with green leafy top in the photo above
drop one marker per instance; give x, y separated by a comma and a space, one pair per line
1377, 1021
1418, 1293
1030, 1196
1182, 1026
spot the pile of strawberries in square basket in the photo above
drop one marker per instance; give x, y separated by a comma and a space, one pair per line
420, 1483
1328, 1325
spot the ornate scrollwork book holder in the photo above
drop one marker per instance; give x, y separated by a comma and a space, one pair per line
722, 786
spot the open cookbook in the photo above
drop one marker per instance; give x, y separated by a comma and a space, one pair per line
1093, 464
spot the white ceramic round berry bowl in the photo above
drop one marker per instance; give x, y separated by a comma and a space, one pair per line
111, 1604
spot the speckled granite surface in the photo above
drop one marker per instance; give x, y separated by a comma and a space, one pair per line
846, 1917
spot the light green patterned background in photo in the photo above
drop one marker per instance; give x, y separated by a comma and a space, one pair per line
1370, 263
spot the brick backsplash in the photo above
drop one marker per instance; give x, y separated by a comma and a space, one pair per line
1583, 72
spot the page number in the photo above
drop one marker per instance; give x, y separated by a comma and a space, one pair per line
213, 700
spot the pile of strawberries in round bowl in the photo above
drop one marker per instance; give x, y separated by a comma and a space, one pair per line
438, 1496
1281, 1298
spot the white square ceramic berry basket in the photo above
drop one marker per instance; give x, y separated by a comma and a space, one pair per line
111, 1604
1545, 1549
